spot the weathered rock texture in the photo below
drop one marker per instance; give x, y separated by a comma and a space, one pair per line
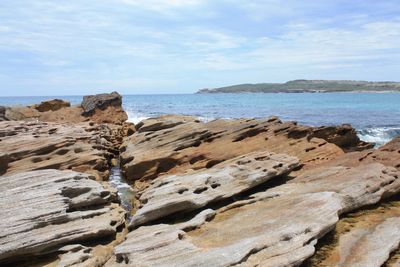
364, 238
52, 105
278, 227
171, 144
81, 147
177, 193
41, 211
101, 101
102, 108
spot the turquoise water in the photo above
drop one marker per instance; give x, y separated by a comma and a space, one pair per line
375, 115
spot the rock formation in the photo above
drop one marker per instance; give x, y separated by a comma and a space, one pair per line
242, 192
41, 211
52, 105
3, 113
102, 108
278, 227
46, 145
170, 194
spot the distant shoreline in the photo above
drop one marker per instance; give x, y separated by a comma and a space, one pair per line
309, 86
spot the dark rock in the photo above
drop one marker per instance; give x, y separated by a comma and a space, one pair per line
343, 136
4, 159
3, 114
52, 105
101, 101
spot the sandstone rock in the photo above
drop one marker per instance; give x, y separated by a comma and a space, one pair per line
173, 145
278, 227
343, 136
52, 105
41, 211
163, 122
40, 145
364, 238
3, 114
92, 102
178, 193
74, 255
18, 113
103, 108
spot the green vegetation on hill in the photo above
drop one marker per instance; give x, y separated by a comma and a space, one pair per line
300, 86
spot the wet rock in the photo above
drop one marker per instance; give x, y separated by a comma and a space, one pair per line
42, 211
178, 193
52, 105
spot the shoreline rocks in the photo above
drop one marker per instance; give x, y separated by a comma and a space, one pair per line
240, 192
179, 193
41, 211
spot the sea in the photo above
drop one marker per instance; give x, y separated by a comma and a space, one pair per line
376, 116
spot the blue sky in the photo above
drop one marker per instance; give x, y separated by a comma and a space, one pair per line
178, 46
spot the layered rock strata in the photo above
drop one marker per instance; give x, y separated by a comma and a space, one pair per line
177, 193
41, 211
174, 144
81, 147
278, 227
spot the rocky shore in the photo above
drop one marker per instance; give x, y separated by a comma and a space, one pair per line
241, 192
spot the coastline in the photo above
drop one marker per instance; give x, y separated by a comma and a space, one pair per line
209, 188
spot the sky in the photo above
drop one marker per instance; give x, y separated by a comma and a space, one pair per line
80, 47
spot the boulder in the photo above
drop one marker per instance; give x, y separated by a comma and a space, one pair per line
100, 101
179, 193
343, 136
52, 105
42, 211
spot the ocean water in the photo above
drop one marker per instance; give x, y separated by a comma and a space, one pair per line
376, 116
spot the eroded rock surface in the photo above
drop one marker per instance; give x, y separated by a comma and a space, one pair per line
81, 147
92, 102
102, 108
278, 227
41, 211
178, 193
171, 144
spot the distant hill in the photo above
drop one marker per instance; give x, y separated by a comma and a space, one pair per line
312, 86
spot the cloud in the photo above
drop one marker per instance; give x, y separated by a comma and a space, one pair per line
147, 45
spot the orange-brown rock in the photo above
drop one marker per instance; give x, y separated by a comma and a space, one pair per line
172, 144
389, 155
102, 108
83, 147
52, 105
